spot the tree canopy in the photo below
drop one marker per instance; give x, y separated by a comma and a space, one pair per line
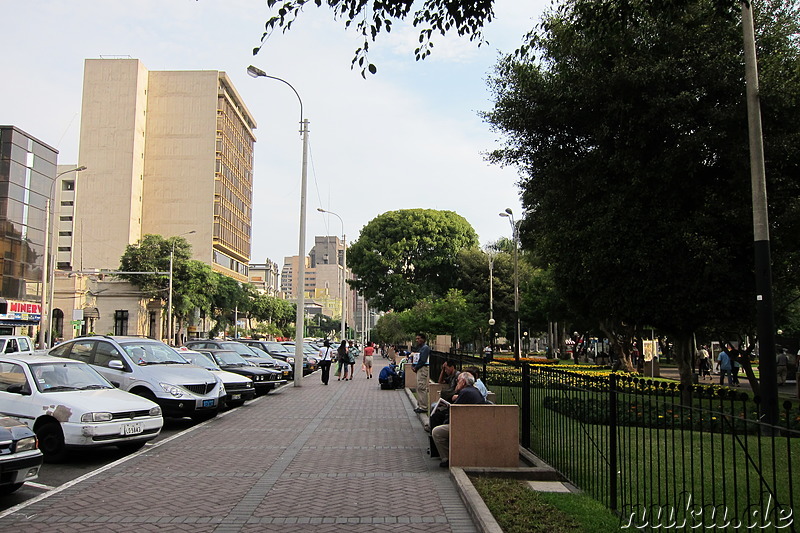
629, 124
404, 256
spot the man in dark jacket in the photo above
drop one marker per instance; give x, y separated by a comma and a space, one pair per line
422, 370
466, 393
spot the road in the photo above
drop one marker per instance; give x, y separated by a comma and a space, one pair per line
82, 462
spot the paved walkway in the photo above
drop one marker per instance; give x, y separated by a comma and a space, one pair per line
344, 457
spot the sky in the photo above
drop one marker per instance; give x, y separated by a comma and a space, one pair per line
409, 137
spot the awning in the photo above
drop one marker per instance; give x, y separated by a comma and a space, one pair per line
17, 323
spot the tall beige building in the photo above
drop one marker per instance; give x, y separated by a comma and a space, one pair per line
168, 153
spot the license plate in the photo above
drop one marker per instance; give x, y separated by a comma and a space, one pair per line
208, 403
133, 428
236, 396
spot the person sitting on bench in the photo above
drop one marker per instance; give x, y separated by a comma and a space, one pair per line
466, 393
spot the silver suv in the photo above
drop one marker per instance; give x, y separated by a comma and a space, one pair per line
152, 369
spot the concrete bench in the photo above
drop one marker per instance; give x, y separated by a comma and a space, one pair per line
484, 435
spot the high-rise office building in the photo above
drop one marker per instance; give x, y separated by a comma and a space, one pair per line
168, 153
27, 171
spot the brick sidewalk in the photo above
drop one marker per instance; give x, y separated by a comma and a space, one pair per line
346, 457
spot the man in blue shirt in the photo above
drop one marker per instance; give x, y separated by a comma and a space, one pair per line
421, 368
725, 367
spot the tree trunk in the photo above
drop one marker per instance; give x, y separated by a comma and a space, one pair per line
684, 356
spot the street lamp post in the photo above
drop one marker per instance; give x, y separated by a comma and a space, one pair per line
48, 263
342, 289
300, 324
170, 333
514, 235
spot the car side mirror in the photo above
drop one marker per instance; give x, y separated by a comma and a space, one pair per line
116, 364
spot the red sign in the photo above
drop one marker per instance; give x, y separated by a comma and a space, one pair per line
24, 307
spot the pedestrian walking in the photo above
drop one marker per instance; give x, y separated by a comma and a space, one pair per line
704, 363
352, 353
369, 352
783, 366
725, 367
325, 360
343, 360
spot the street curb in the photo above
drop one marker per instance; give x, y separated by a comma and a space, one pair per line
481, 516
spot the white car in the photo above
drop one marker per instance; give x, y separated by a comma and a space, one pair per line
16, 344
238, 388
68, 404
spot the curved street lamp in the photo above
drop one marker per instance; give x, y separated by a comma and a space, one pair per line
48, 263
514, 235
343, 293
300, 320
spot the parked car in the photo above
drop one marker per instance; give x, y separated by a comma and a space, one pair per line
69, 404
263, 359
264, 379
20, 457
280, 352
16, 344
238, 388
311, 354
151, 369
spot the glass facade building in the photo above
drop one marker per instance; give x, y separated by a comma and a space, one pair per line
27, 171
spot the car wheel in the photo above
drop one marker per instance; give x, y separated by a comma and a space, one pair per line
51, 442
8, 489
130, 447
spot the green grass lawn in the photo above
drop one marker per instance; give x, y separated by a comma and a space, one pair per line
518, 509
663, 467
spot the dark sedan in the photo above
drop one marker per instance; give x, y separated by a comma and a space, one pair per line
20, 458
264, 379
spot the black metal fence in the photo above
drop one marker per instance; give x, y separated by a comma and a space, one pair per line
660, 463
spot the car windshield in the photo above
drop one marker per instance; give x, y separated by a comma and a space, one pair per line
152, 353
238, 347
200, 359
59, 377
277, 347
230, 358
261, 353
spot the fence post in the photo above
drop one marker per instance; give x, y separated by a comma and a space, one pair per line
612, 441
526, 406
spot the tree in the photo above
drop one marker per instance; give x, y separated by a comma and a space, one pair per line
439, 16
390, 330
630, 129
403, 256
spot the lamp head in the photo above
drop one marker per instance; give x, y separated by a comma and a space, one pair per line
491, 322
504, 214
508, 210
80, 168
321, 210
255, 72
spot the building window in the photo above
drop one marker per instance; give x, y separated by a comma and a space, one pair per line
67, 203
121, 322
65, 234
65, 219
67, 185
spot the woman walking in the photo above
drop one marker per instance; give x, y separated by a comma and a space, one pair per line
369, 352
325, 359
344, 361
352, 353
